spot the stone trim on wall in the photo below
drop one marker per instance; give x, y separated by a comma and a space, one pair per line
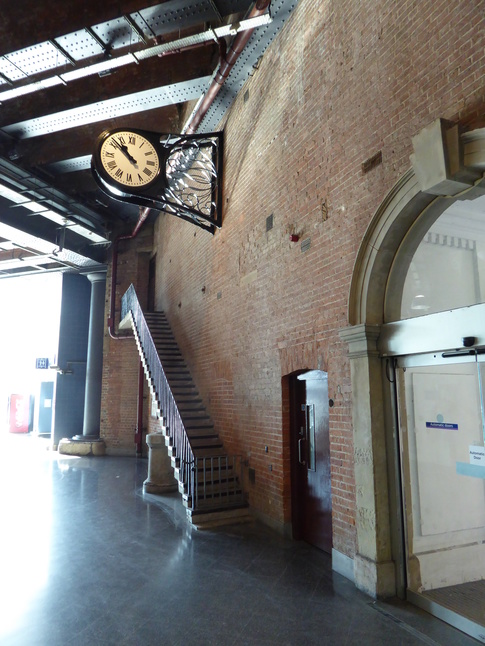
374, 569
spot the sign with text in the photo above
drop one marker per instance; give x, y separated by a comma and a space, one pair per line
442, 425
477, 455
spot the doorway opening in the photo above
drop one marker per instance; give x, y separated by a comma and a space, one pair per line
441, 424
310, 459
435, 308
417, 295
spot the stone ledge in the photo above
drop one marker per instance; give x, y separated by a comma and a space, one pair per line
81, 448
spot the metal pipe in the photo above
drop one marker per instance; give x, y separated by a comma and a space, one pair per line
143, 214
226, 65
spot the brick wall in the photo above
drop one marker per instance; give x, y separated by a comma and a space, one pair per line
120, 357
339, 85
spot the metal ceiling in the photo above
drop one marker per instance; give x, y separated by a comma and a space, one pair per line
109, 109
69, 71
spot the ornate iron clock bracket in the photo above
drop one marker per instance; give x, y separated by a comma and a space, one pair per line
188, 181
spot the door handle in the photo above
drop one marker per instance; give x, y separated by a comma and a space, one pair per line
299, 452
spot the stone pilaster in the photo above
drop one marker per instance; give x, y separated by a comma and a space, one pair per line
374, 569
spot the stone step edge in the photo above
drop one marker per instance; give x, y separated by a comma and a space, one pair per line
209, 520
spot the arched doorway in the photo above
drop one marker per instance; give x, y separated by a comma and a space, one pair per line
417, 288
436, 337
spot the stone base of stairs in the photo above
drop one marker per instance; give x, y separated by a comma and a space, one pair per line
157, 488
210, 519
160, 473
82, 447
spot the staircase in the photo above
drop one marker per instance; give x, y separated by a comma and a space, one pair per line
208, 478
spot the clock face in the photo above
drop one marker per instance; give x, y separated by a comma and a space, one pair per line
129, 159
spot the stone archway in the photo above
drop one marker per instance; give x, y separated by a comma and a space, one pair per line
379, 546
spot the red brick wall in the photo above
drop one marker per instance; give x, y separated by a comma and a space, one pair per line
339, 84
120, 357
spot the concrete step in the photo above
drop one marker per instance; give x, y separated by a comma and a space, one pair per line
178, 375
197, 415
194, 423
203, 453
201, 434
191, 408
202, 425
198, 443
189, 400
213, 491
220, 478
210, 520
181, 390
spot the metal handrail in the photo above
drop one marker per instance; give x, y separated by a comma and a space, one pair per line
172, 419
221, 468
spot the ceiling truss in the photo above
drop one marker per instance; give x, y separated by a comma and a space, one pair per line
146, 66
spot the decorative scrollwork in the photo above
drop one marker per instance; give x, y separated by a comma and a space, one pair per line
188, 184
193, 176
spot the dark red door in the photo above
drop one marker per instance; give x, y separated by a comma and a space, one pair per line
311, 477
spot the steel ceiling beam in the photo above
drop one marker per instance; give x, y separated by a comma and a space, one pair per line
45, 19
108, 109
109, 64
41, 229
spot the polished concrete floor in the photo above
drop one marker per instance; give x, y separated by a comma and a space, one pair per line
87, 560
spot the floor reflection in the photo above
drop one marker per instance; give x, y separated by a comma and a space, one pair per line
87, 559
26, 510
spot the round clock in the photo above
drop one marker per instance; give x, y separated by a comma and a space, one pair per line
127, 160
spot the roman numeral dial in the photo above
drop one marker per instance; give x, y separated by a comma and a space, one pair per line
129, 159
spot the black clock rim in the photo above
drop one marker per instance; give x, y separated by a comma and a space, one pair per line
108, 180
119, 191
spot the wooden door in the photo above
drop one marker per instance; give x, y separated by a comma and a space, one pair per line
311, 476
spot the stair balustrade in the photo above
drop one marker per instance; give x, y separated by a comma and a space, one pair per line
209, 479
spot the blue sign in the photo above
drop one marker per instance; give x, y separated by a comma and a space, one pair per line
443, 425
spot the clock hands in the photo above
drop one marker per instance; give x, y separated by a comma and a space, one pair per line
127, 159
125, 152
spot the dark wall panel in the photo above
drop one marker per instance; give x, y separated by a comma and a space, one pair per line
72, 353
